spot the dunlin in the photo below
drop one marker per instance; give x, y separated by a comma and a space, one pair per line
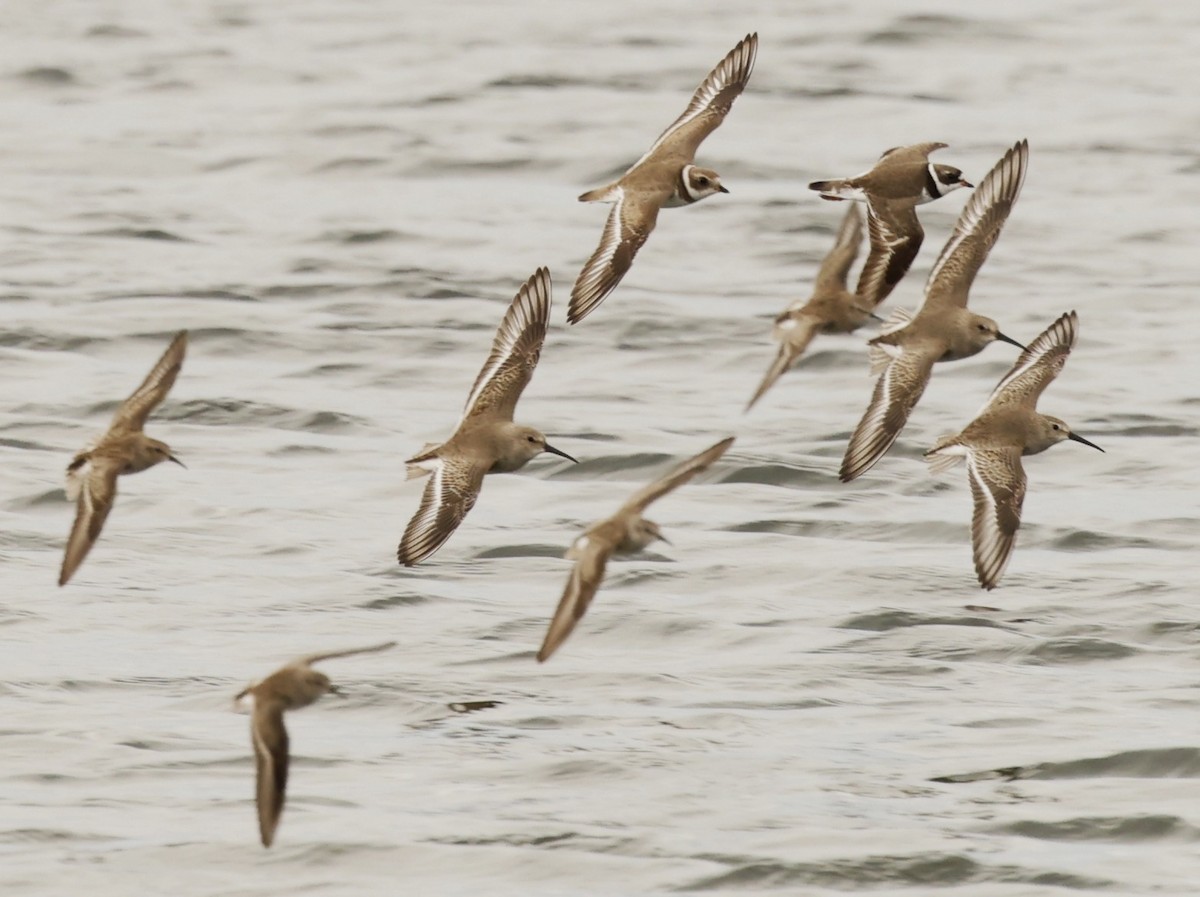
830, 309
943, 329
1008, 427
663, 178
288, 688
901, 180
487, 440
625, 531
92, 474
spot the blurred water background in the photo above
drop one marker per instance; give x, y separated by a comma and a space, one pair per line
806, 693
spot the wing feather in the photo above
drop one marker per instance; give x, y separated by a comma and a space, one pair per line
676, 476
592, 554
977, 229
998, 487
270, 739
896, 235
97, 492
709, 105
515, 351
1037, 366
896, 393
628, 226
832, 274
134, 410
449, 494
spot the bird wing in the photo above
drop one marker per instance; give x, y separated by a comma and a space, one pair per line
1040, 363
998, 486
370, 649
896, 393
449, 495
97, 491
796, 332
592, 552
628, 225
515, 351
709, 104
976, 231
831, 276
676, 477
134, 410
270, 739
896, 235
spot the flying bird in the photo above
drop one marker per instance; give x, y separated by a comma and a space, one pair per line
487, 440
1008, 427
665, 177
626, 531
124, 448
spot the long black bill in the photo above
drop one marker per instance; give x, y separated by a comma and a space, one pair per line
1075, 437
1008, 339
177, 461
552, 450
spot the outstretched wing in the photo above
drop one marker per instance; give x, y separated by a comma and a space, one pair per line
796, 332
628, 226
270, 740
135, 409
977, 230
515, 351
592, 554
709, 104
832, 274
914, 152
449, 495
1040, 363
998, 486
896, 393
370, 649
676, 477
97, 492
896, 236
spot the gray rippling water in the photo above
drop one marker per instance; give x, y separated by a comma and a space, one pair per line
805, 693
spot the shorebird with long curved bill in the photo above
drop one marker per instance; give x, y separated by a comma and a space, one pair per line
288, 688
663, 178
487, 440
626, 531
901, 180
92, 473
1008, 427
943, 329
830, 309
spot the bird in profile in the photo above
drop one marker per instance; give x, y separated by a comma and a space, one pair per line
487, 440
124, 448
664, 177
288, 688
1008, 427
830, 309
626, 531
901, 180
943, 329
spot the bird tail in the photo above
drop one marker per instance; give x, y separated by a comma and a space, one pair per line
600, 194
946, 453
836, 189
422, 463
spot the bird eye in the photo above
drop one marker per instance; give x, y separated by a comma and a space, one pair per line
1056, 426
531, 438
703, 182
